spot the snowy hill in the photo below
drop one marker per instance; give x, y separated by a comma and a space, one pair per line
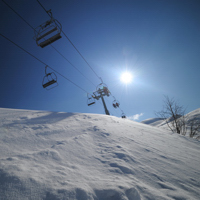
159, 122
72, 156
153, 121
194, 114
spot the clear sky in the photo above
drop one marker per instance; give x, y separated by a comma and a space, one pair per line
158, 41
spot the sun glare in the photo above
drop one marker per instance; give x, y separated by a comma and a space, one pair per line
126, 77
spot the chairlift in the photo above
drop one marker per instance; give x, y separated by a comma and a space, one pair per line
123, 115
90, 100
49, 80
115, 103
49, 31
103, 88
96, 95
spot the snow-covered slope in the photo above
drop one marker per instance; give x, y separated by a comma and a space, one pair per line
153, 121
159, 122
194, 115
72, 156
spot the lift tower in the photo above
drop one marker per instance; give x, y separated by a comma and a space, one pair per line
100, 93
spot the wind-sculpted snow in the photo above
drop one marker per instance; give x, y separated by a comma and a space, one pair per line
73, 156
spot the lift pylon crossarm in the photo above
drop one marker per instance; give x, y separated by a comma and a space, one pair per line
101, 91
96, 95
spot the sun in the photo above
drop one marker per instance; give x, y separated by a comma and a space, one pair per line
126, 77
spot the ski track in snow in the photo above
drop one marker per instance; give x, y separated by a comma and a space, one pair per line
54, 156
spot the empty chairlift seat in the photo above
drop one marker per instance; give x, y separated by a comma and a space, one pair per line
49, 80
90, 100
48, 33
47, 84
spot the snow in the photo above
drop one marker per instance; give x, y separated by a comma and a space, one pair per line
160, 122
153, 121
195, 114
77, 156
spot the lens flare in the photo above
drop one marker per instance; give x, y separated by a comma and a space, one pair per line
126, 77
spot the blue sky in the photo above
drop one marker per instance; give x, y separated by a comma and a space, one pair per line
157, 41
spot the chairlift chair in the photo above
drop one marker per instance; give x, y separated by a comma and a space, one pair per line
50, 31
49, 80
116, 103
90, 100
100, 86
123, 115
103, 88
